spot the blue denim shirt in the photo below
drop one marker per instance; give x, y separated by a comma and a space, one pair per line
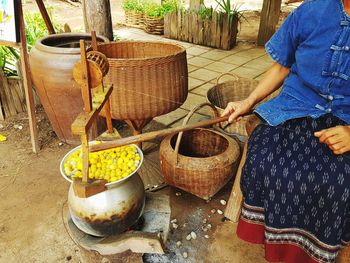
314, 42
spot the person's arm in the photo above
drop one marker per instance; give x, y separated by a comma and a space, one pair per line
272, 80
337, 138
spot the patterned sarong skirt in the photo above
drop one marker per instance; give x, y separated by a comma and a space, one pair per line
296, 193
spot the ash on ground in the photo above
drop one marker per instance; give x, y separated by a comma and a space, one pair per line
186, 252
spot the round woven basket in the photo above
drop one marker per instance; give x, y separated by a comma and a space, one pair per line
344, 255
149, 78
199, 161
134, 18
154, 25
233, 90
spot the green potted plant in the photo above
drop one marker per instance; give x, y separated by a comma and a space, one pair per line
134, 11
154, 15
231, 16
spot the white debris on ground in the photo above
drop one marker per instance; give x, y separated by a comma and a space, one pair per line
223, 202
183, 242
185, 255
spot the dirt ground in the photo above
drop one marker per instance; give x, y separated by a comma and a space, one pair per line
34, 196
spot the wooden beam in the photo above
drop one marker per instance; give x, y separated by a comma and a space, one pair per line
270, 14
84, 120
45, 16
27, 82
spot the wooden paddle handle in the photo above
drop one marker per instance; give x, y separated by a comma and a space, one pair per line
153, 135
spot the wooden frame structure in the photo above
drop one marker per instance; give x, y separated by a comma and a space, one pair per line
27, 80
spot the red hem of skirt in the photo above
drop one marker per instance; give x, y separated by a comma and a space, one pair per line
289, 253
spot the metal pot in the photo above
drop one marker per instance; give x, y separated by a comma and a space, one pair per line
112, 211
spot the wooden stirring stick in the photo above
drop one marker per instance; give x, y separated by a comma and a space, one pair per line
153, 135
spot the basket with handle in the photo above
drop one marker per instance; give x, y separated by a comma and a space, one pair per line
233, 90
344, 255
200, 161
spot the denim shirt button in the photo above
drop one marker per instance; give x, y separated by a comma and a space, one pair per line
328, 110
335, 74
346, 48
330, 97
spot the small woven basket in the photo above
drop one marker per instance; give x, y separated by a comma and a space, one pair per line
134, 18
233, 90
154, 25
199, 161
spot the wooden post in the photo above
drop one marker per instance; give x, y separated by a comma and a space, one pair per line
45, 16
97, 17
86, 87
27, 82
269, 18
195, 4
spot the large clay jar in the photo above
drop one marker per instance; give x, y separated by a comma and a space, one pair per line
51, 63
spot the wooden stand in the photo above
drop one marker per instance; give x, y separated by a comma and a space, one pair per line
149, 239
89, 73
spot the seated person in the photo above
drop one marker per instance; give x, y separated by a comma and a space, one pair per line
296, 178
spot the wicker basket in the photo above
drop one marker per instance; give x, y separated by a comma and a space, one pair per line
134, 18
199, 161
233, 90
154, 25
344, 255
149, 78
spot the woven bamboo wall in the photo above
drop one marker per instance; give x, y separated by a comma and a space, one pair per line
12, 96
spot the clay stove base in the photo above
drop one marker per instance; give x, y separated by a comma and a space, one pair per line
150, 239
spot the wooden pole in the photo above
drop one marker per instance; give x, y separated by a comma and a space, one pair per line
97, 17
86, 87
153, 135
270, 14
45, 16
27, 82
195, 4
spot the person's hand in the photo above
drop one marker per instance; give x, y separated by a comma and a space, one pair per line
236, 109
337, 138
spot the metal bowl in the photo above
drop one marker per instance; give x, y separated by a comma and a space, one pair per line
108, 185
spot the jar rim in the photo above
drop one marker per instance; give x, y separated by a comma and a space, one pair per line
62, 42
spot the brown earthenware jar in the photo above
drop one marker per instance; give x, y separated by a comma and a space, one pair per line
51, 63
